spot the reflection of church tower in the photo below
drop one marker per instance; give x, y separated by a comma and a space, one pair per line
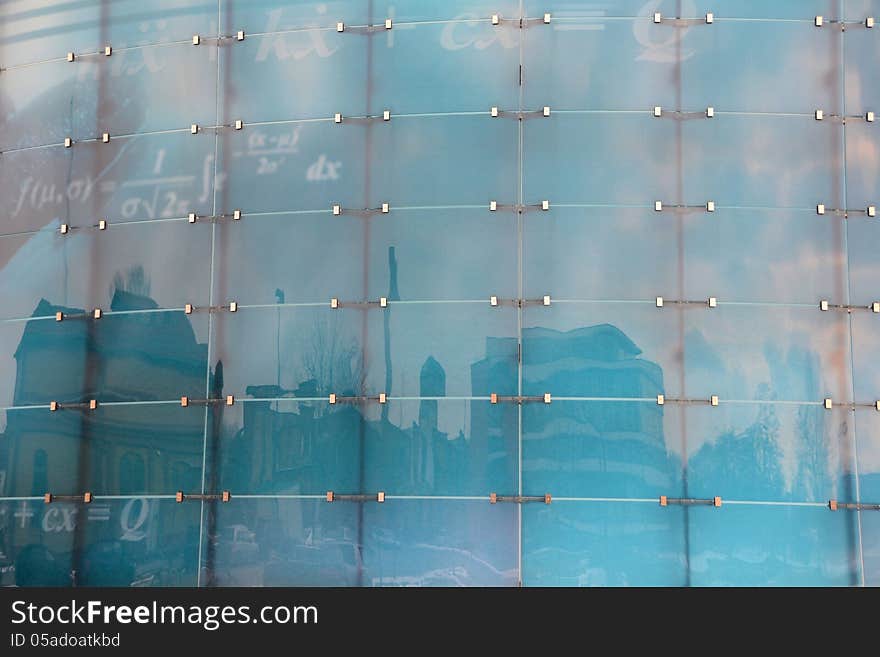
432, 383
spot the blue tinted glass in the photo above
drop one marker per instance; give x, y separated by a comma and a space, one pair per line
140, 541
770, 452
801, 255
444, 160
575, 253
795, 546
37, 543
439, 543
863, 244
449, 10
263, 16
293, 166
627, 350
559, 162
35, 30
85, 268
604, 544
421, 68
862, 164
867, 423
282, 542
865, 343
776, 353
602, 449
263, 73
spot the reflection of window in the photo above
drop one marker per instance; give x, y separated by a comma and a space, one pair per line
41, 473
132, 474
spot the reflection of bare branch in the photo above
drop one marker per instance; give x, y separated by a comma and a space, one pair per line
134, 281
333, 361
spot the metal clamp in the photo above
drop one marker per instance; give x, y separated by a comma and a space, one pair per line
495, 206
388, 24
867, 117
873, 307
232, 307
708, 206
494, 498
381, 398
711, 302
497, 302
681, 115
336, 497
66, 229
229, 400
198, 39
868, 23
688, 501
852, 406
662, 400
385, 116
520, 115
235, 215
834, 505
660, 19
523, 22
97, 313
366, 213
336, 304
89, 405
225, 496
870, 211
85, 498
495, 398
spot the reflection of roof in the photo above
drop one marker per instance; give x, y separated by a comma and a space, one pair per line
162, 337
603, 342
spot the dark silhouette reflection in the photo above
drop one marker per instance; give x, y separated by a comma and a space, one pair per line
130, 450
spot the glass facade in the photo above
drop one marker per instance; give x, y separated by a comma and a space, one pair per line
423, 292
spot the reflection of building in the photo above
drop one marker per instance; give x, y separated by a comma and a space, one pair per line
128, 450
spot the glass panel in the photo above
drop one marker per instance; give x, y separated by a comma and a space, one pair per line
444, 160
39, 109
148, 89
757, 255
583, 63
767, 161
770, 452
139, 541
156, 176
602, 449
42, 360
129, 356
413, 255
601, 350
867, 433
440, 446
863, 245
861, 58
871, 548
440, 543
90, 268
36, 30
772, 546
866, 346
725, 65
420, 68
430, 10
36, 542
560, 163
862, 164
262, 16
791, 9
282, 542
165, 20
575, 253
264, 76
604, 544
473, 344
295, 166
767, 353
407, 447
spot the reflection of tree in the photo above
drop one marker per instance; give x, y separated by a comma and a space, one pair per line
752, 453
815, 457
333, 360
